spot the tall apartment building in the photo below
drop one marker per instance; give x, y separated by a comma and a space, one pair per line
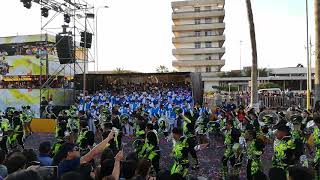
198, 37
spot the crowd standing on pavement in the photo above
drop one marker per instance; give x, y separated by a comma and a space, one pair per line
91, 135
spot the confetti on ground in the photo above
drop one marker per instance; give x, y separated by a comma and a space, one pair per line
209, 158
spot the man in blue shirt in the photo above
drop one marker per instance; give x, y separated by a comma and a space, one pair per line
44, 157
70, 158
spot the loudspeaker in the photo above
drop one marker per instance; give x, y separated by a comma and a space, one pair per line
86, 39
65, 49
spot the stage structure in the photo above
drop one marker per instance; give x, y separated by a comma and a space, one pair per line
23, 72
99, 81
73, 37
44, 65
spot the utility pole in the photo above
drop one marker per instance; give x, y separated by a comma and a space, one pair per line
317, 51
310, 72
240, 55
96, 41
85, 57
308, 59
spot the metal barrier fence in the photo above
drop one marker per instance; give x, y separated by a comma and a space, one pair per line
266, 101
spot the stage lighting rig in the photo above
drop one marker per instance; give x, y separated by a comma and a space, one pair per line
44, 12
26, 3
66, 18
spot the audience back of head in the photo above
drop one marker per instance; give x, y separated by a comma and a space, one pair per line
297, 173
15, 162
277, 174
45, 147
24, 175
72, 175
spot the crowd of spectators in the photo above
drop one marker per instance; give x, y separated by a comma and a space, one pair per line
36, 50
33, 83
101, 162
266, 99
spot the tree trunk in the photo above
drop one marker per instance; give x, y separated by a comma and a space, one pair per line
254, 67
317, 53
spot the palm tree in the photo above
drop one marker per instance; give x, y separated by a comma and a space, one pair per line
118, 71
162, 69
299, 65
317, 53
254, 67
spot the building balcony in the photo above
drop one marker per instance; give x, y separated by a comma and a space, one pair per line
192, 63
201, 14
198, 39
177, 4
194, 27
186, 51
209, 74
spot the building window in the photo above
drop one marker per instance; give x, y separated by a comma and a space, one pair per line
197, 45
208, 69
208, 20
208, 57
208, 33
197, 57
216, 33
196, 9
208, 44
197, 33
197, 21
207, 8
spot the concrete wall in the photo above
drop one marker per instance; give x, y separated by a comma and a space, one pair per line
208, 85
197, 69
197, 57
192, 33
184, 34
186, 45
184, 21
186, 69
192, 21
192, 45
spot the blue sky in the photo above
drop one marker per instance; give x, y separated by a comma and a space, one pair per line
136, 35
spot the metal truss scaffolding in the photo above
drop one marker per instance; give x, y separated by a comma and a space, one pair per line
71, 17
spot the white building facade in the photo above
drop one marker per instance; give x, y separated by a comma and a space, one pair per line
199, 37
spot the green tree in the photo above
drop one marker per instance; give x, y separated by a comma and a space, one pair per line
119, 71
264, 72
162, 69
268, 85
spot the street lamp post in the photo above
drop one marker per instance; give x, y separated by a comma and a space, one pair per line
97, 55
308, 61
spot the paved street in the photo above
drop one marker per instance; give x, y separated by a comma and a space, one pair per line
210, 159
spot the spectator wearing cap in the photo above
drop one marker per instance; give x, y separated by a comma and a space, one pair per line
44, 154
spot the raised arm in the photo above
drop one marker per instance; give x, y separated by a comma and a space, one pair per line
116, 167
97, 149
187, 120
